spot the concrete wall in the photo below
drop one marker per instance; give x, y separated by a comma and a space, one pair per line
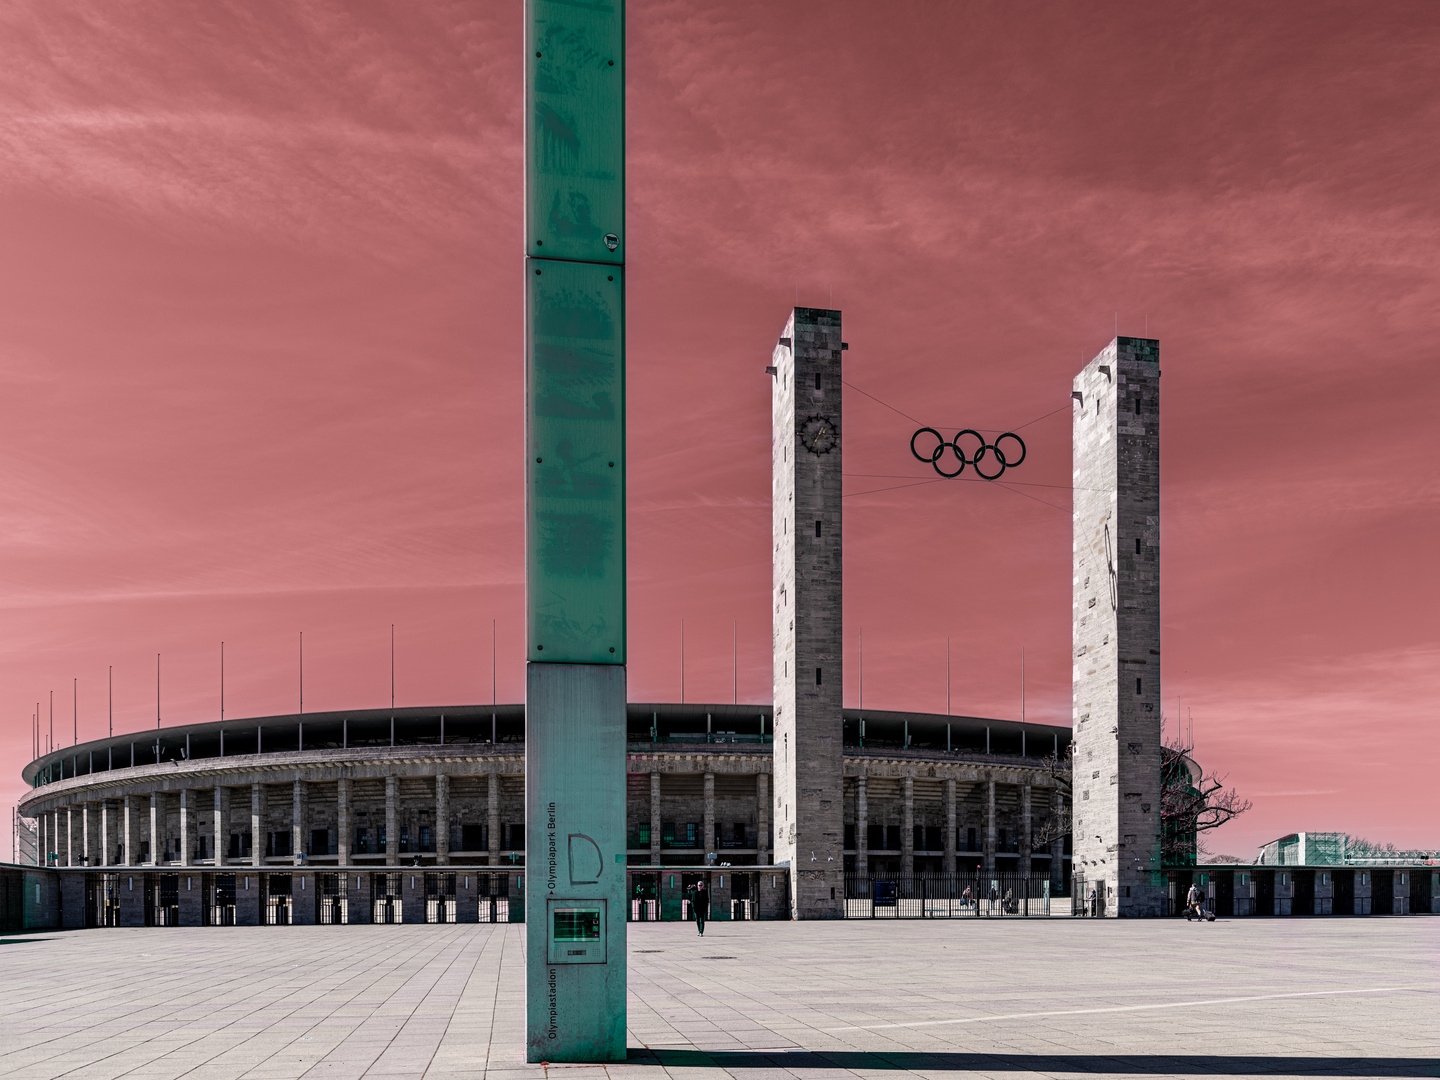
132, 898
247, 899
72, 901
1337, 890
412, 893
304, 907
467, 897
192, 899
40, 899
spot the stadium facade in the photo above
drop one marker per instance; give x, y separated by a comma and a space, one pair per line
375, 795
800, 809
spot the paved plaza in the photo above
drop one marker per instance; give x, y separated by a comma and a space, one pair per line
759, 1001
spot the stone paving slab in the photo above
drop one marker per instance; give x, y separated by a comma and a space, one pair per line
753, 1001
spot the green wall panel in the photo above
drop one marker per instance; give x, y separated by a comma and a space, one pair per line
575, 464
575, 130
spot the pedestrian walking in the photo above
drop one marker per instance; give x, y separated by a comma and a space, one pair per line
1094, 903
1192, 903
699, 898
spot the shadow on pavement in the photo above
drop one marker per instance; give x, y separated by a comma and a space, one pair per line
1110, 1064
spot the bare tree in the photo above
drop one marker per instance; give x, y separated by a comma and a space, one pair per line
1192, 802
1054, 824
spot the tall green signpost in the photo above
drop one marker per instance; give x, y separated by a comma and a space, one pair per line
575, 530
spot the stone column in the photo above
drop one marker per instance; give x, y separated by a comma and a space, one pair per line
655, 857
492, 819
862, 826
907, 828
298, 823
157, 827
762, 819
989, 863
1057, 847
107, 834
442, 820
1025, 827
129, 825
392, 829
69, 835
343, 830
952, 825
187, 831
220, 813
257, 824
87, 834
709, 817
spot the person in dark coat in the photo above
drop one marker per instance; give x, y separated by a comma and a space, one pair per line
699, 898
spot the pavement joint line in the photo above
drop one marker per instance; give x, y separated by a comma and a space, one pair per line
1126, 1008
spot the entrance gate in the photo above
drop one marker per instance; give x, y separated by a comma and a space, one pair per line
644, 897
276, 899
385, 898
946, 896
334, 901
1082, 904
102, 899
162, 899
440, 898
494, 897
219, 891
735, 893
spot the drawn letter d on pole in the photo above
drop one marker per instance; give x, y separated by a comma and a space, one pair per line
585, 862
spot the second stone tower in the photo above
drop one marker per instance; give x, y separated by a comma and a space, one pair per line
1117, 627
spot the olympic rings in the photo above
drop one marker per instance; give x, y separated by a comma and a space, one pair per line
974, 459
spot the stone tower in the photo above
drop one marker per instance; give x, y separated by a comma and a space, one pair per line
808, 637
1117, 626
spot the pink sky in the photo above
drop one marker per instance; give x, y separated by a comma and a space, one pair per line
260, 344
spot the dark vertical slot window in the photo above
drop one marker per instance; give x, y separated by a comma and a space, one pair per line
817, 676
817, 380
1137, 687
817, 528
1137, 406
1137, 545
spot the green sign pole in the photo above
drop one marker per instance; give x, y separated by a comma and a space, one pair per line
575, 530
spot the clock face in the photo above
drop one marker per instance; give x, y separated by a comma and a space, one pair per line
818, 434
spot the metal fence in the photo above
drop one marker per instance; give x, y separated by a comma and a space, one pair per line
730, 894
948, 896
